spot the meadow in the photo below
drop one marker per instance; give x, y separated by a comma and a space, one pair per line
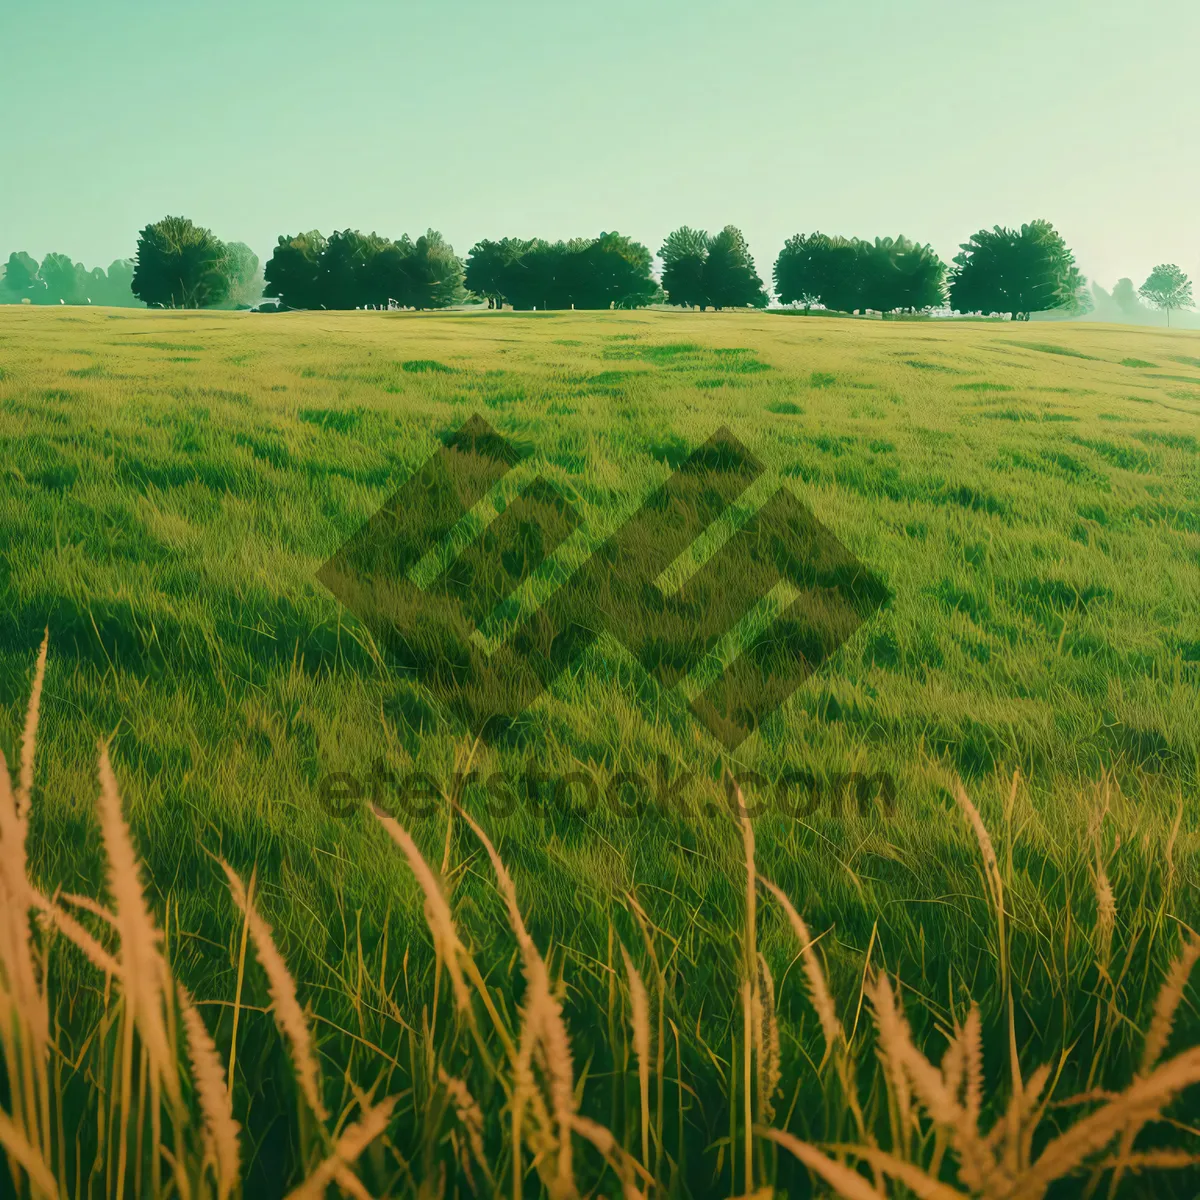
170, 485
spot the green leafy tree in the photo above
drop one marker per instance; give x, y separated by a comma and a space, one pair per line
488, 266
180, 265
717, 271
345, 272
617, 273
1015, 271
730, 279
1125, 297
684, 254
1167, 288
292, 273
898, 274
435, 273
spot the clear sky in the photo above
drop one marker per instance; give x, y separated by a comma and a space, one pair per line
485, 118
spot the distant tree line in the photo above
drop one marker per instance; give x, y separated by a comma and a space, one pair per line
58, 280
609, 271
182, 265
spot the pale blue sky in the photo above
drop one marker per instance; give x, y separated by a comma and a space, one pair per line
564, 117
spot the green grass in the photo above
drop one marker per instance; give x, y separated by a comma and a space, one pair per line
1037, 524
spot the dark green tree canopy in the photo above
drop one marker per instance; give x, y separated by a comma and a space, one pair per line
717, 271
292, 272
845, 275
609, 271
180, 265
350, 269
1015, 271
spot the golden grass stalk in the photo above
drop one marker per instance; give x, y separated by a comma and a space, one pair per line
350, 1145
29, 736
640, 1021
437, 910
543, 1018
75, 933
220, 1129
470, 1117
750, 1001
818, 989
288, 1013
1166, 1004
628, 1168
844, 1181
1131, 1108
768, 1044
143, 970
17, 1146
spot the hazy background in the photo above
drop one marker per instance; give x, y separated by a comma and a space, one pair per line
557, 118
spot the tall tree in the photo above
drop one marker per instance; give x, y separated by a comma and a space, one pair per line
617, 273
435, 273
487, 268
1167, 288
180, 265
345, 270
684, 254
899, 274
293, 270
1015, 271
730, 279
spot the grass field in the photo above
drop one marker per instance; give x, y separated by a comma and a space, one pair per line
171, 483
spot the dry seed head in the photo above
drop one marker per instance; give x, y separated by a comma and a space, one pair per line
29, 737
769, 1053
1167, 1002
818, 989
470, 1117
288, 1014
1131, 1109
349, 1146
221, 1130
143, 971
543, 1015
437, 909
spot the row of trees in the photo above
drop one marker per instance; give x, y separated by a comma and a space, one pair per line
609, 271
850, 274
58, 280
349, 269
182, 265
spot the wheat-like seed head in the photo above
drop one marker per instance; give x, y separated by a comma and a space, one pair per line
437, 909
640, 1021
1130, 1110
220, 1129
818, 989
768, 1044
470, 1117
1170, 995
350, 1145
143, 970
29, 737
282, 987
